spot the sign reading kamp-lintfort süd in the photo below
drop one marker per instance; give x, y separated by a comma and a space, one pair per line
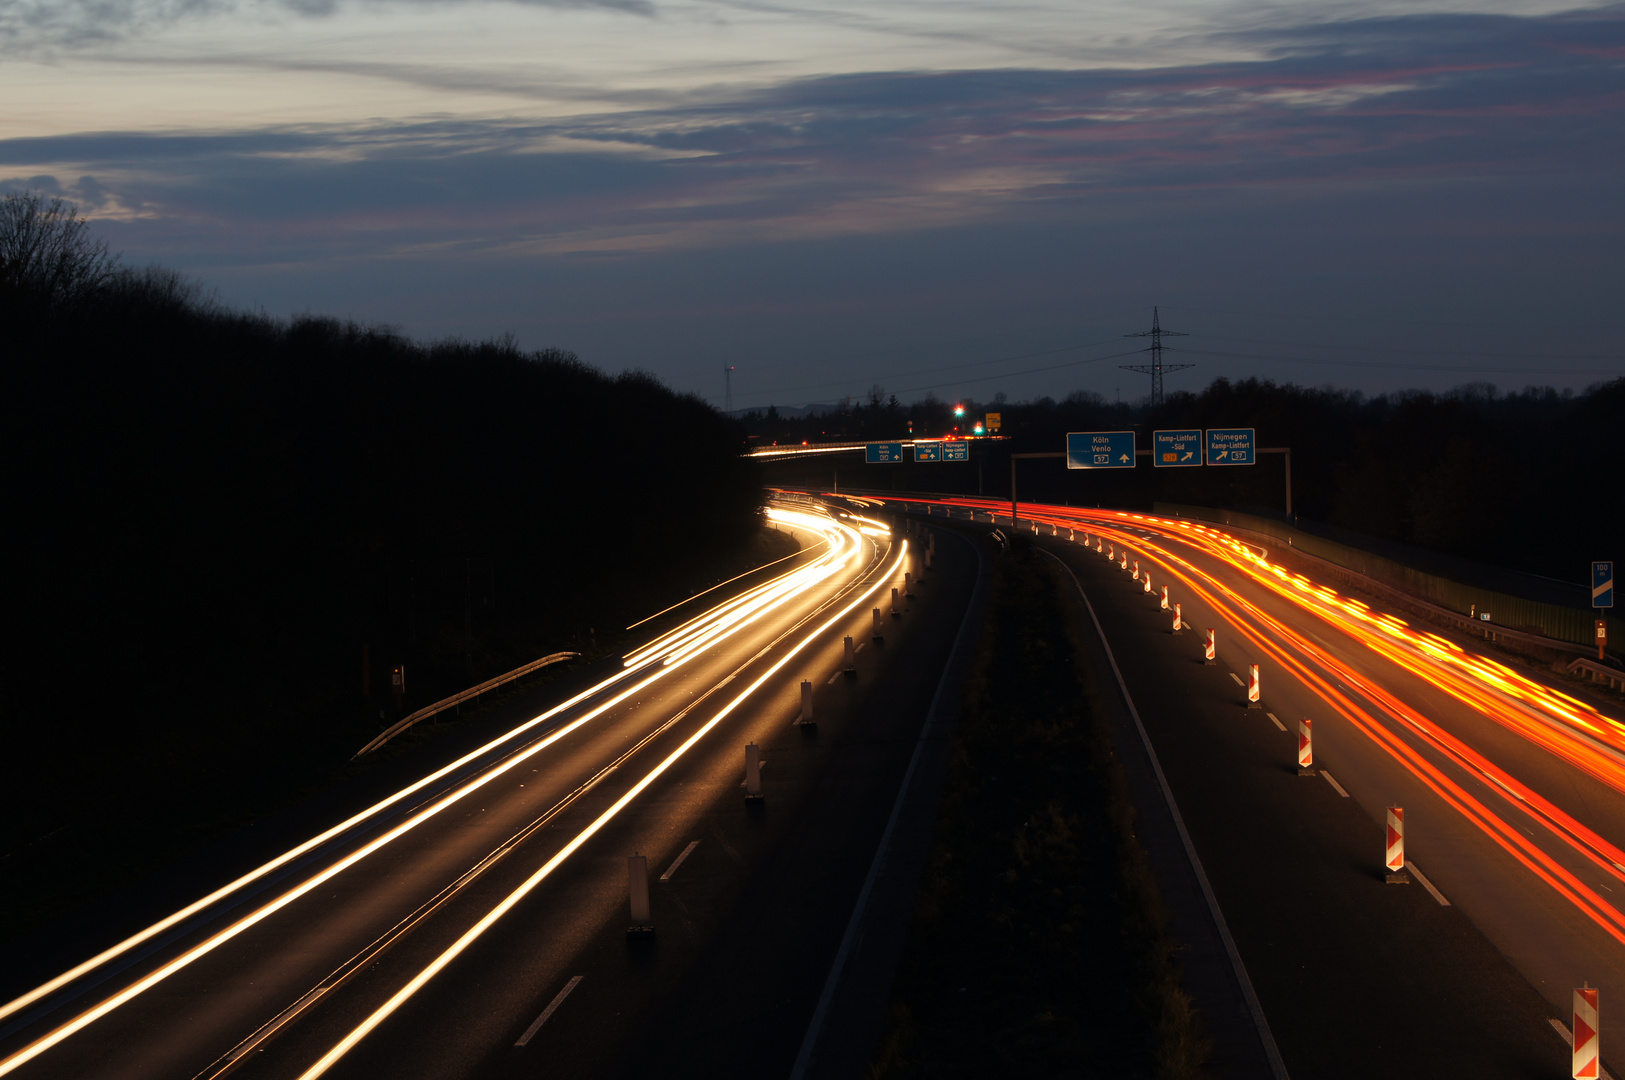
1100, 450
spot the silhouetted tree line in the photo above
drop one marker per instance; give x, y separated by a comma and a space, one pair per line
210, 513
1530, 480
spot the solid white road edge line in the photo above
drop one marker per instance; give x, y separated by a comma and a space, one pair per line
1567, 1036
1271, 1051
854, 924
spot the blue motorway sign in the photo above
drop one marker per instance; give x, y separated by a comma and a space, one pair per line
1176, 448
882, 453
927, 452
1231, 446
1602, 584
955, 451
1100, 450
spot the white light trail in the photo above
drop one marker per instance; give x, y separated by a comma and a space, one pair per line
507, 904
732, 617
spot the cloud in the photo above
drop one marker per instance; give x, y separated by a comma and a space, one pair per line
27, 25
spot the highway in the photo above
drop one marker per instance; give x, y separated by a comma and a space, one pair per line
1511, 790
475, 921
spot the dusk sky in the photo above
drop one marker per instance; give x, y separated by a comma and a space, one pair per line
960, 198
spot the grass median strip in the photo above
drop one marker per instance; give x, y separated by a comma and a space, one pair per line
1039, 944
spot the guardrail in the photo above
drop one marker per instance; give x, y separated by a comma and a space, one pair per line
1596, 672
1489, 631
1515, 617
460, 697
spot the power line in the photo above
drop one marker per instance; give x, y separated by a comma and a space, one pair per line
1156, 366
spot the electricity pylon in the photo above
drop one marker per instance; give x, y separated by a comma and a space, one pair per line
1156, 367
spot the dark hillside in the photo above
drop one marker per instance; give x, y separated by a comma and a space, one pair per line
210, 515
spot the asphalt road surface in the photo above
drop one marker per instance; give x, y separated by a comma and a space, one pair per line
1510, 784
485, 904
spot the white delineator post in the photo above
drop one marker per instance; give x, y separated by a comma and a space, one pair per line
1396, 846
806, 701
879, 636
1252, 686
1179, 622
908, 583
851, 656
1587, 1063
753, 772
895, 613
1210, 647
1165, 600
1306, 749
637, 879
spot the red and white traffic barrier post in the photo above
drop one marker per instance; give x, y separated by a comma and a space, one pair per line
1122, 561
1111, 552
1306, 749
1587, 1060
1210, 647
1165, 599
1252, 687
1136, 569
1179, 622
1396, 847
1147, 580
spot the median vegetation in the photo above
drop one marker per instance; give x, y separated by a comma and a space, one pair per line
1039, 946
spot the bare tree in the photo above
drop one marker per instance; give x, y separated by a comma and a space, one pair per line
46, 250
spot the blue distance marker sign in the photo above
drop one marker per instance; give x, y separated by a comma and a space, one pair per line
882, 453
955, 451
1231, 446
1100, 450
927, 452
1602, 584
1176, 449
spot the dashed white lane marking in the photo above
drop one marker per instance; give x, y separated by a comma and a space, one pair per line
1426, 884
1276, 721
675, 863
832, 679
1236, 677
1334, 783
858, 648
531, 1031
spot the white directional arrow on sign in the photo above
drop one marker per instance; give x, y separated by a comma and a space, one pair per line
1123, 458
